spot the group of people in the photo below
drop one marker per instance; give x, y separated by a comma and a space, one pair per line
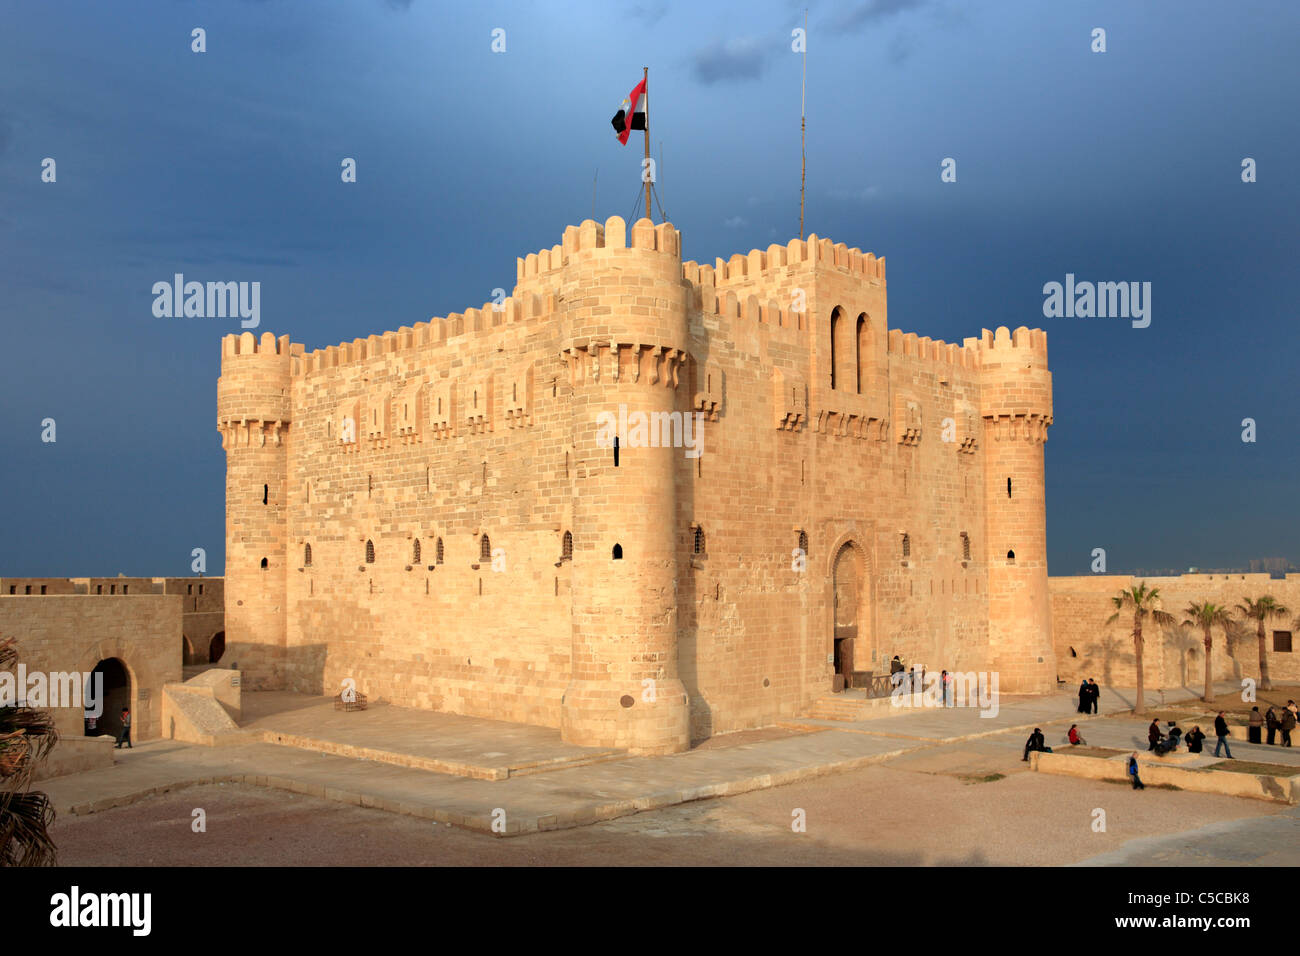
1274, 722
1166, 742
123, 734
1089, 693
914, 681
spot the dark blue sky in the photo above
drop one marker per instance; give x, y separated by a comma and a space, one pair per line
225, 166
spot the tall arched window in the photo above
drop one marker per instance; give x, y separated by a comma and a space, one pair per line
699, 540
306, 556
566, 547
803, 542
907, 545
965, 546
484, 548
617, 554
837, 322
437, 552
370, 552
863, 351
415, 552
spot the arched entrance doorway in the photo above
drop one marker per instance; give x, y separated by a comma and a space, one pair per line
116, 684
216, 647
847, 580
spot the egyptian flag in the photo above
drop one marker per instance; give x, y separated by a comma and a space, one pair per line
633, 106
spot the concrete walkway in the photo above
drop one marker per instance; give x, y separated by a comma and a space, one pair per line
574, 795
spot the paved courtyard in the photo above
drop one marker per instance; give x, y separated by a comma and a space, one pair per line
923, 787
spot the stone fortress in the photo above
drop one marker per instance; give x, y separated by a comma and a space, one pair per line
430, 515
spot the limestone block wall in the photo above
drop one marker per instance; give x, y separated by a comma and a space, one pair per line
74, 633
1087, 647
473, 437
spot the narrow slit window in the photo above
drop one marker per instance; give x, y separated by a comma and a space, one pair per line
415, 552
615, 451
266, 494
370, 552
437, 552
566, 547
907, 545
306, 556
1008, 487
485, 548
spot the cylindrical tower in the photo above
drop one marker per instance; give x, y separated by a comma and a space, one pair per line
1016, 405
253, 415
626, 336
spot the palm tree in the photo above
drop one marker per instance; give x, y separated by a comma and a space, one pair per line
1143, 602
1259, 612
26, 735
1205, 616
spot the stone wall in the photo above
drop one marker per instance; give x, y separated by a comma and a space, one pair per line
475, 436
74, 633
1087, 647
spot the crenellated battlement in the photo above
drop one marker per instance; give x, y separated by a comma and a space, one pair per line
247, 343
797, 252
1003, 345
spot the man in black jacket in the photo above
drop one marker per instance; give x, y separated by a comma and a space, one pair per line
1036, 741
1153, 735
1221, 731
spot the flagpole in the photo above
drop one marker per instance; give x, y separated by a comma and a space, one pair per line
649, 213
803, 124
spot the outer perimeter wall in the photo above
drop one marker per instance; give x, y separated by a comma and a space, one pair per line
1175, 657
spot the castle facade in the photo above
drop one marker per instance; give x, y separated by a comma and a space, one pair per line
442, 516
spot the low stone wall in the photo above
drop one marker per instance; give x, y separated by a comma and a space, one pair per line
75, 755
1152, 772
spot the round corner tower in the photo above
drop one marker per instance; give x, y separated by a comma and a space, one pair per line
625, 339
1016, 405
253, 412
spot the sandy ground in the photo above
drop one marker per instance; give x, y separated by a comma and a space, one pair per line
925, 814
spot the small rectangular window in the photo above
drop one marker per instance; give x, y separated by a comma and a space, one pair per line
1282, 642
42, 588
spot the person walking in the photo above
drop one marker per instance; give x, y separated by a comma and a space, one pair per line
1133, 771
1256, 725
1094, 694
1084, 696
1288, 725
1271, 723
1153, 734
1221, 731
124, 736
945, 684
1194, 740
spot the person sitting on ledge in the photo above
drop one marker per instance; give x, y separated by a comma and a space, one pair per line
1074, 737
1037, 742
1194, 740
1153, 734
1170, 744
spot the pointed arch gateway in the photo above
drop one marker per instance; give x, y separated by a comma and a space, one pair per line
849, 612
